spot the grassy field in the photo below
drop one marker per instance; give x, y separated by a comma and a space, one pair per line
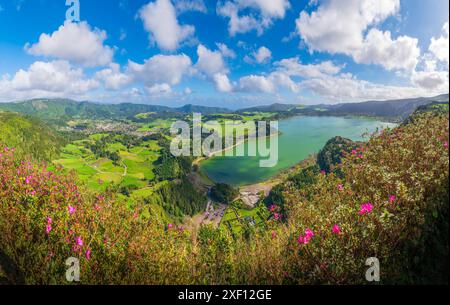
157, 124
237, 218
134, 169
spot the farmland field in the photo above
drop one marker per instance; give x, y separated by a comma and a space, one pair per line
133, 166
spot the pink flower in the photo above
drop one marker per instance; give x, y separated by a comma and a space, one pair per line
48, 229
323, 172
71, 209
79, 241
272, 208
88, 254
354, 152
336, 229
304, 240
49, 220
446, 144
274, 234
309, 233
340, 187
276, 216
366, 208
6, 149
169, 226
392, 198
28, 179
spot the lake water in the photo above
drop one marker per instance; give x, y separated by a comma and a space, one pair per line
301, 137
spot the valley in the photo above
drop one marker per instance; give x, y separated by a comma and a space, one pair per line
121, 150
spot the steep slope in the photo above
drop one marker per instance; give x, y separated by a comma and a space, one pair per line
28, 136
392, 204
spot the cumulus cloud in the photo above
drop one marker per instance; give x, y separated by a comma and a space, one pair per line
293, 67
431, 80
439, 47
46, 79
328, 81
160, 20
339, 26
261, 56
268, 8
226, 51
433, 74
222, 82
212, 65
347, 88
256, 83
159, 89
264, 12
210, 62
160, 69
112, 77
380, 48
190, 5
75, 42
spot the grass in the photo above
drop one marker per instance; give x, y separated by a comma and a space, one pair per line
235, 216
135, 169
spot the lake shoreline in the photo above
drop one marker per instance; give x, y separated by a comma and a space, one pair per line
302, 136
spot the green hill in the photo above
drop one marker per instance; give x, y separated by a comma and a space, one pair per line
61, 110
28, 136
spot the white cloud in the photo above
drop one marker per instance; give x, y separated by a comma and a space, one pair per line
190, 5
160, 69
265, 12
159, 89
433, 74
226, 51
222, 82
339, 26
431, 80
112, 77
238, 24
293, 67
75, 42
268, 8
379, 48
160, 20
346, 88
210, 62
256, 83
439, 47
46, 79
262, 55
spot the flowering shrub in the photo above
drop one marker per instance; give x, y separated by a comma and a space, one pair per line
391, 202
45, 218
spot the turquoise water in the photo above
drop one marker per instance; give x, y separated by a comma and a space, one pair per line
301, 137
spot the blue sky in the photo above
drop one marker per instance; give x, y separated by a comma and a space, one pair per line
233, 53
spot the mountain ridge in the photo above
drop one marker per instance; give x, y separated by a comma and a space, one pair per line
66, 108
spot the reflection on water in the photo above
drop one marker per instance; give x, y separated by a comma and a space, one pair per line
301, 137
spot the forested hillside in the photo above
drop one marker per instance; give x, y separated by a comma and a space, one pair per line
29, 136
390, 202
